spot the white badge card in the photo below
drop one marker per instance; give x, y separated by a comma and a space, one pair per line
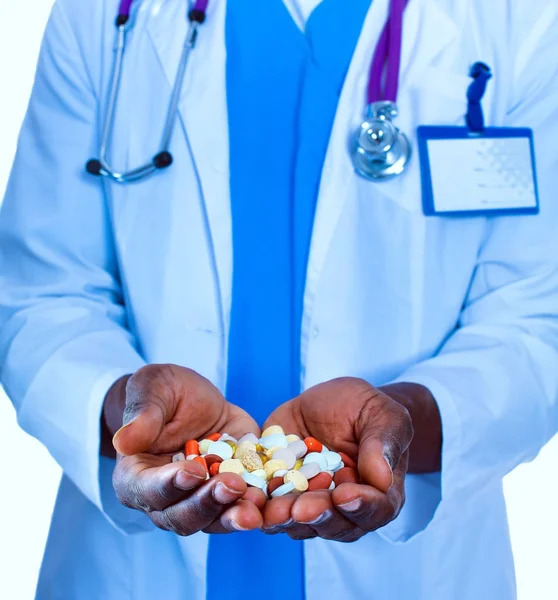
489, 173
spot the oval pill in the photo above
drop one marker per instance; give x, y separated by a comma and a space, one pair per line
274, 465
249, 437
322, 481
221, 449
254, 480
178, 457
244, 447
313, 444
214, 437
297, 479
298, 464
299, 448
286, 455
315, 457
251, 460
214, 469
334, 460
261, 474
310, 470
204, 445
292, 438
347, 460
280, 473
211, 459
231, 465
192, 447
346, 475
286, 488
201, 460
277, 439
275, 483
273, 430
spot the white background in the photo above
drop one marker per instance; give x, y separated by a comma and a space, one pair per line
29, 477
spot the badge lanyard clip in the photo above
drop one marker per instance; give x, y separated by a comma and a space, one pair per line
481, 74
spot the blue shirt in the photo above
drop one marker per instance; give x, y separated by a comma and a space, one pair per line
283, 87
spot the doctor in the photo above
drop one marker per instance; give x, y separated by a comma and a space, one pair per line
405, 277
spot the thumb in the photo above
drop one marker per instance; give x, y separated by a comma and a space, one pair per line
381, 450
149, 406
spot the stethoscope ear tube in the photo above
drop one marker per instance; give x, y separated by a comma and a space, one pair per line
163, 159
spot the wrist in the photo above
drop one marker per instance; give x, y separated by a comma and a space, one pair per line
113, 411
425, 451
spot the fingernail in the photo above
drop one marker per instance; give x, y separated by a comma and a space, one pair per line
351, 506
287, 523
321, 519
389, 461
225, 495
183, 480
234, 525
117, 434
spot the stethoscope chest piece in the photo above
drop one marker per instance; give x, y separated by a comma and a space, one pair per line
380, 150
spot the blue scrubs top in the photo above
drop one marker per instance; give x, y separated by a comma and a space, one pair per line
283, 88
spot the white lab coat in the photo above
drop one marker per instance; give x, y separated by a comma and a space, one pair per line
96, 281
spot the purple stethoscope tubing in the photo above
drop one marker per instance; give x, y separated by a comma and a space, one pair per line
383, 82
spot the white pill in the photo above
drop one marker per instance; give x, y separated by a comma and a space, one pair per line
316, 457
325, 448
299, 448
292, 438
334, 460
254, 480
249, 437
277, 440
310, 470
260, 473
280, 473
178, 457
287, 456
191, 456
283, 490
226, 437
204, 445
221, 449
332, 486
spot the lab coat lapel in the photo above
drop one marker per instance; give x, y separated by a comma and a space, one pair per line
427, 31
204, 120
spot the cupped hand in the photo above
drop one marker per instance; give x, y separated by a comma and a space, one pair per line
166, 405
351, 416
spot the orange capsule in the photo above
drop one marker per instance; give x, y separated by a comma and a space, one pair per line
275, 483
192, 447
345, 475
211, 459
201, 461
214, 469
347, 460
214, 437
320, 482
313, 444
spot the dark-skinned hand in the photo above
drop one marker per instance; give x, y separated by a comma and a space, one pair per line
351, 416
166, 405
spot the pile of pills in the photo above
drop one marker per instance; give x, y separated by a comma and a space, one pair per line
276, 463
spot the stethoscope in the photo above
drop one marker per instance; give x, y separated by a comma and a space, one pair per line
380, 149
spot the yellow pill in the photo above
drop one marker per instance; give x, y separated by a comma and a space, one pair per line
260, 448
273, 430
204, 446
273, 465
298, 464
263, 456
232, 465
232, 445
260, 473
292, 438
297, 479
251, 461
242, 448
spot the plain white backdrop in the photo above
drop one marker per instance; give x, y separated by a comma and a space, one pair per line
29, 477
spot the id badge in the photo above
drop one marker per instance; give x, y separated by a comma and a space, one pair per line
477, 174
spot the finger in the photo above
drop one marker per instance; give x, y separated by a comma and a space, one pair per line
369, 508
278, 519
242, 516
203, 506
383, 441
150, 404
257, 497
147, 482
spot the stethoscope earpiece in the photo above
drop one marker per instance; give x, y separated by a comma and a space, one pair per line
381, 150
